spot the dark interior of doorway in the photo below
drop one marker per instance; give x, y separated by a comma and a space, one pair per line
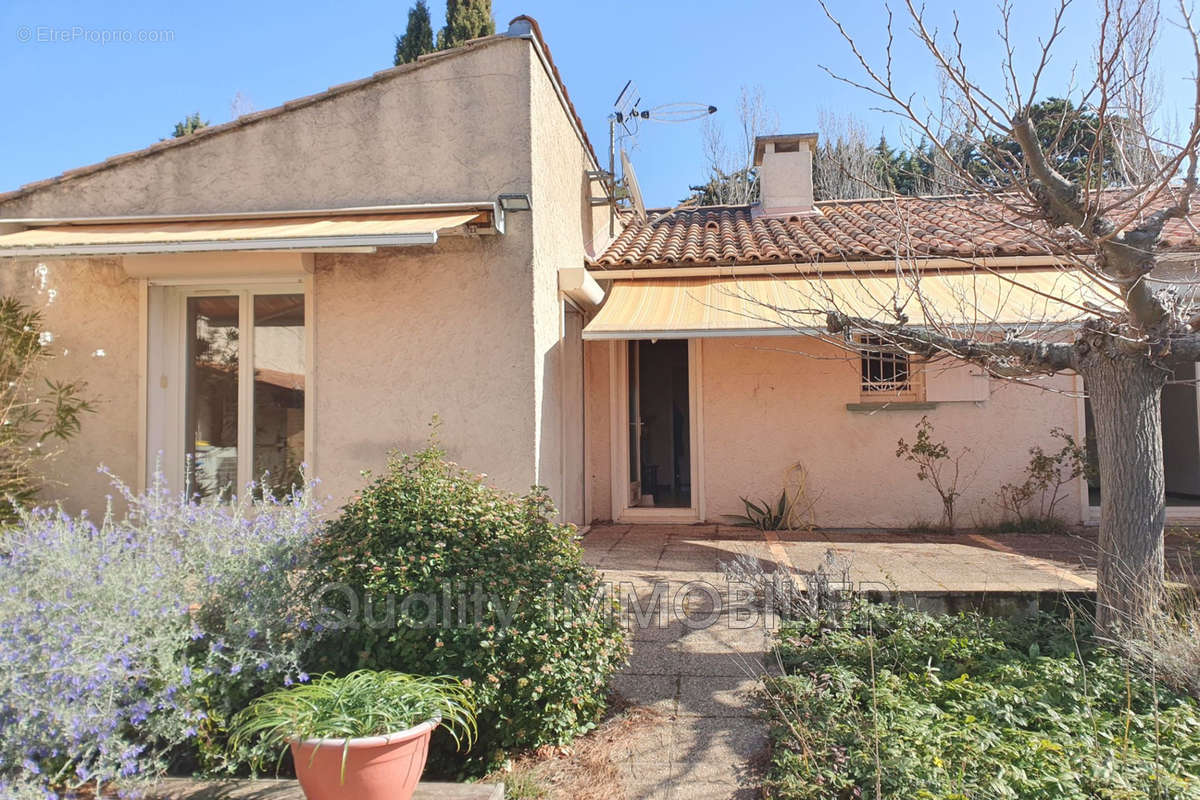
1181, 440
666, 456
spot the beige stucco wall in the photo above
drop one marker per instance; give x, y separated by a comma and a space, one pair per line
452, 130
566, 228
406, 334
598, 421
771, 402
401, 336
94, 308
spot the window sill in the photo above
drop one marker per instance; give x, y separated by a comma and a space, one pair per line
891, 405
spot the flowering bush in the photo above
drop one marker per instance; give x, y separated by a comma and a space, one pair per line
122, 641
432, 571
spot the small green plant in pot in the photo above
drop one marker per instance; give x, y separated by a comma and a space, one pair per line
363, 736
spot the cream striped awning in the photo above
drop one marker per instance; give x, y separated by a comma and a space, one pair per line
684, 308
280, 233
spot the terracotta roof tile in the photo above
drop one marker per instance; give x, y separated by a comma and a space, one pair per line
844, 230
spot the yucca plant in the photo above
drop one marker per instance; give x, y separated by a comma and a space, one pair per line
360, 704
764, 515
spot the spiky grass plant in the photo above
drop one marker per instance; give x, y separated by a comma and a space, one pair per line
363, 703
764, 517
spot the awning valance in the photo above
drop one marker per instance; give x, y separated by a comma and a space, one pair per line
684, 308
330, 231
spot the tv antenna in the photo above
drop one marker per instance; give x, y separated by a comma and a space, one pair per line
629, 114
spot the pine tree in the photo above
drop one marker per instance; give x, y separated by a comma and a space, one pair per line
466, 20
190, 125
418, 37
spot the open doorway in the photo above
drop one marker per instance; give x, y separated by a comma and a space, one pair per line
660, 448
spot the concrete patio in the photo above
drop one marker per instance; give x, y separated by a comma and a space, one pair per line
699, 647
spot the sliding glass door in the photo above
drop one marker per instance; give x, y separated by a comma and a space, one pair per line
241, 388
211, 410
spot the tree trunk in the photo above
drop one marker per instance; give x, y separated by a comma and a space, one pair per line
1126, 395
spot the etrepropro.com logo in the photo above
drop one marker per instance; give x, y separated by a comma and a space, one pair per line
51, 34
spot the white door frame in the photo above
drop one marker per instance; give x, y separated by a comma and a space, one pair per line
619, 437
166, 376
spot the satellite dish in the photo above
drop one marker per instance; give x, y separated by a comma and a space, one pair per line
629, 178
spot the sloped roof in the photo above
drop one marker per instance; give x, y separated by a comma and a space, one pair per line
333, 91
841, 230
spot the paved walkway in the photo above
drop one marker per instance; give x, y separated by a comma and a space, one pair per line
699, 649
697, 655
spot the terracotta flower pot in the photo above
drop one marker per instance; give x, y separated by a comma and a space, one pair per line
377, 767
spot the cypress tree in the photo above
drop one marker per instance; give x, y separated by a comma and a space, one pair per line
466, 20
418, 37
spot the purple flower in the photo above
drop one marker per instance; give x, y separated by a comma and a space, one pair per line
102, 614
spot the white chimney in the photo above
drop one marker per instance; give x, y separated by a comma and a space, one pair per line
785, 172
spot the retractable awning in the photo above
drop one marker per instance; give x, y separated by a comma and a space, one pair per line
312, 232
685, 308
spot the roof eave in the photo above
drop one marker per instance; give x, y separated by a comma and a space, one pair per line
482, 206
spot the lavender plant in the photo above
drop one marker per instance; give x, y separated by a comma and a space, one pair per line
122, 641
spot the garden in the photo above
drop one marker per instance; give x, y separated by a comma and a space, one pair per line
436, 624
433, 616
887, 702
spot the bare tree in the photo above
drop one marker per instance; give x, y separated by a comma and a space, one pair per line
846, 166
1137, 126
240, 105
731, 175
1104, 313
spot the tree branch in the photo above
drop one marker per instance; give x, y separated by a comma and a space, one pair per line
1182, 348
1126, 257
1004, 358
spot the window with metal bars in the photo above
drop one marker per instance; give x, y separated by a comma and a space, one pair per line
883, 369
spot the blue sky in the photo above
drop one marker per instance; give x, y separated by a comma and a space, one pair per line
70, 103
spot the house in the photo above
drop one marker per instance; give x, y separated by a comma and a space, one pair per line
314, 283
698, 348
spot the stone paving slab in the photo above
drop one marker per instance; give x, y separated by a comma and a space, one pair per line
916, 562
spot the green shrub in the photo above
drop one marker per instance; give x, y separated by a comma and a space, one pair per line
895, 703
1031, 506
935, 465
432, 571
